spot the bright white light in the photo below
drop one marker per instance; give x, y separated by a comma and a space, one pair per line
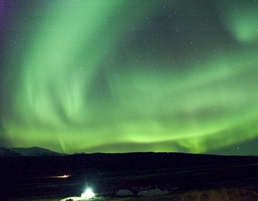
88, 194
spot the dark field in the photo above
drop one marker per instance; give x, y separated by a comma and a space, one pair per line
184, 176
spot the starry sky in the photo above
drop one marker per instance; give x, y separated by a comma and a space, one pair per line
130, 76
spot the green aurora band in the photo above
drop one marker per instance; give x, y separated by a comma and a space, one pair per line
80, 91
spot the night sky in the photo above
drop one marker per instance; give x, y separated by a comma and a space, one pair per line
129, 75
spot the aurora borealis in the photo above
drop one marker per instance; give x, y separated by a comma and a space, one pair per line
125, 76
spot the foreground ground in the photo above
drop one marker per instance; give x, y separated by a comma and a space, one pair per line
186, 177
206, 195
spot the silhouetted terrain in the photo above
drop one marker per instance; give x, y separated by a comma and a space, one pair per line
33, 151
25, 176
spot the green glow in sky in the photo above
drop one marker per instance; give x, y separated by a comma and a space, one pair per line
113, 76
241, 19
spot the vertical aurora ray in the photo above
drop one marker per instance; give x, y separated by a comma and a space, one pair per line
69, 43
115, 77
63, 54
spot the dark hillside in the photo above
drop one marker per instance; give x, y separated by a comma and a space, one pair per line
109, 172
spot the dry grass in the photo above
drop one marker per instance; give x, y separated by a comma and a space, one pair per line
209, 195
220, 195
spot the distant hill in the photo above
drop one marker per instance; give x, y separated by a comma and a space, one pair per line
32, 151
4, 152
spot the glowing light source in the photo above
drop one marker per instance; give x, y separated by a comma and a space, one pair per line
63, 176
60, 176
87, 194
